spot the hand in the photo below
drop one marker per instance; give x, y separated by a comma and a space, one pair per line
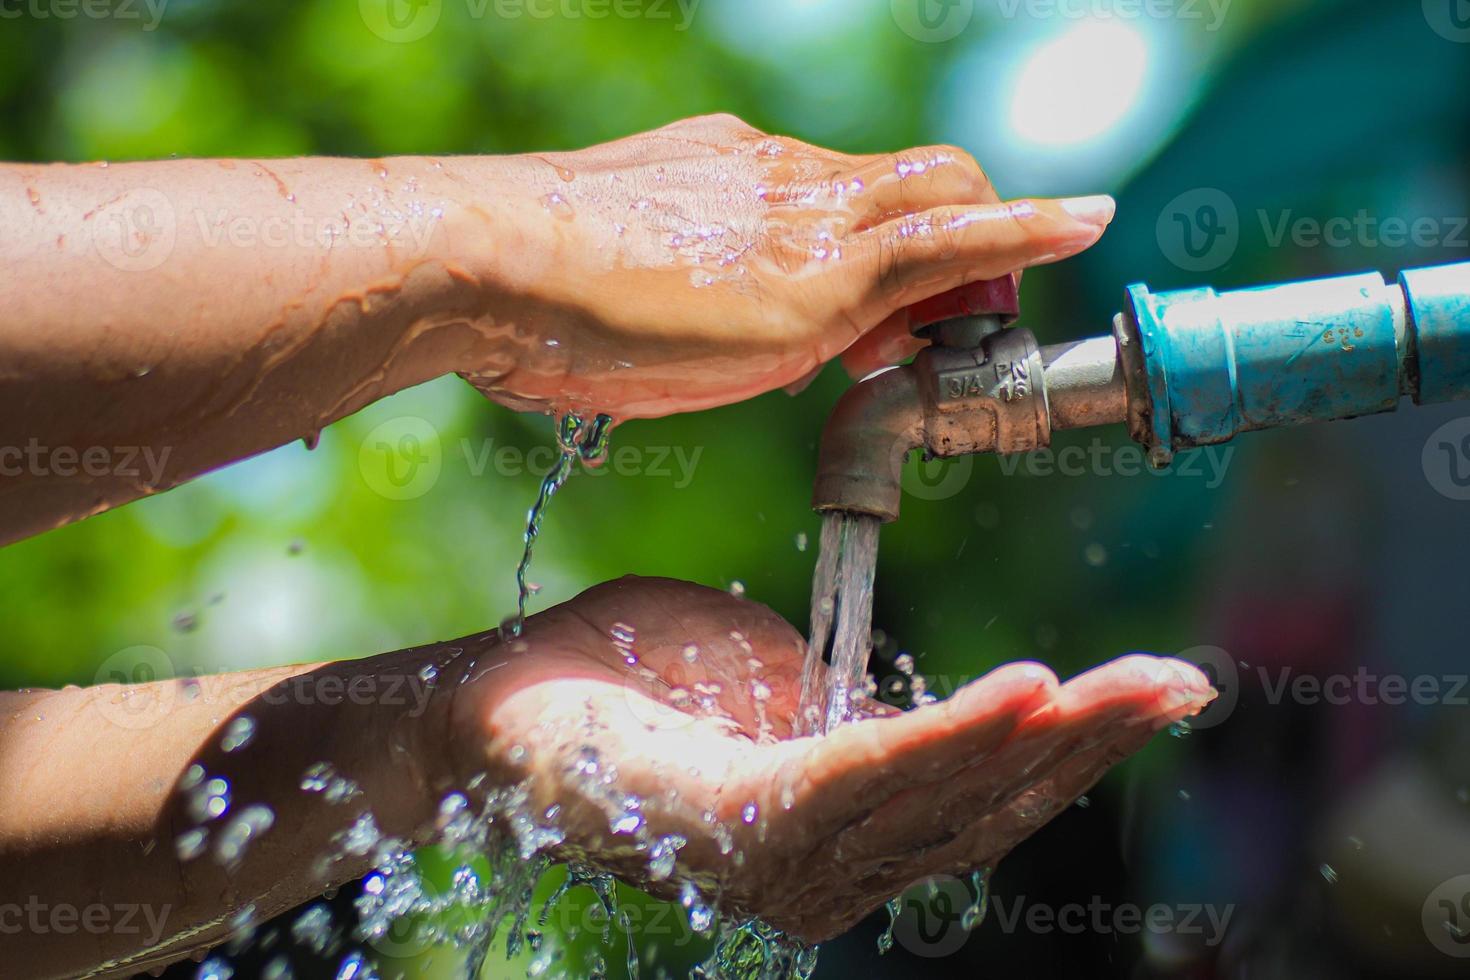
603, 705
707, 262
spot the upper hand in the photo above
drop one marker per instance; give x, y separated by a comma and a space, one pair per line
706, 262
808, 833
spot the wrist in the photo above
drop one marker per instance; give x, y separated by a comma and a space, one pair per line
489, 253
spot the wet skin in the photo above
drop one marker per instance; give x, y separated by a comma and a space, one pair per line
207, 310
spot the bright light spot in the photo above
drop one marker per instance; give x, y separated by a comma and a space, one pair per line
1081, 85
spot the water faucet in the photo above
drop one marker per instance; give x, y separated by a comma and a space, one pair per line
1186, 368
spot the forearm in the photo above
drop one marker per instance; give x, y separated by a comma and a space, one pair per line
165, 318
103, 812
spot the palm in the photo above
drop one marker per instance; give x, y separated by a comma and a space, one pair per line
610, 706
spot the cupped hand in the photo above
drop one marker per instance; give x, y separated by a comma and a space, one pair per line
650, 716
706, 262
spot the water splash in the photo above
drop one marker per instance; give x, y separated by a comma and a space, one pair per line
576, 439
753, 950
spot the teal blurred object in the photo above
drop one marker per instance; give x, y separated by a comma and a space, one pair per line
1204, 366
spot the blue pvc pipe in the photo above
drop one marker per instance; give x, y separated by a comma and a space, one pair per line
1202, 366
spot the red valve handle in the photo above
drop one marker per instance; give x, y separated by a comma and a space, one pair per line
992, 296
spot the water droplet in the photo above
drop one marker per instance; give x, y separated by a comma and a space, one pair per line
885, 938
239, 733
313, 928
209, 799
558, 207
214, 968
190, 843
801, 541
361, 836
1095, 555
701, 916
691, 653
737, 588
749, 813
249, 824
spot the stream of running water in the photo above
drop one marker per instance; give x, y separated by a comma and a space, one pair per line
842, 594
574, 439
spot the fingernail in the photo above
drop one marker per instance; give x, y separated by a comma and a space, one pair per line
1096, 210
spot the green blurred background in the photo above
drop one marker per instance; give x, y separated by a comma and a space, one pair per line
1308, 108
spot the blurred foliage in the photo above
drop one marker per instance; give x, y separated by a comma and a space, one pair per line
293, 557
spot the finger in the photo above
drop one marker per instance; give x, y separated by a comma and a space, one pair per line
832, 780
918, 179
802, 383
1127, 695
986, 840
921, 255
894, 340
890, 342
